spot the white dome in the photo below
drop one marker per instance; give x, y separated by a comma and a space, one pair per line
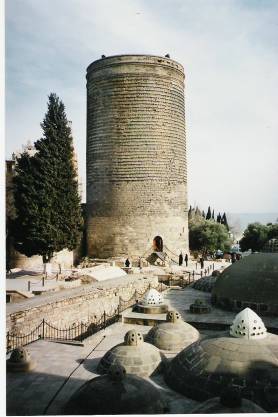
152, 297
248, 325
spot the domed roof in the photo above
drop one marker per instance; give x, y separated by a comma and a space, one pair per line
227, 403
173, 335
252, 282
20, 360
204, 368
152, 297
205, 284
136, 356
116, 393
248, 325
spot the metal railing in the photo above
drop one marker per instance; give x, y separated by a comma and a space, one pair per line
78, 332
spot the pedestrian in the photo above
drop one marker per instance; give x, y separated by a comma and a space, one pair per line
186, 259
180, 259
202, 262
127, 263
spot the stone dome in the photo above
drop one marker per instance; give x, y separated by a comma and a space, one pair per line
203, 369
227, 403
136, 356
251, 282
116, 393
20, 360
152, 298
248, 325
205, 284
173, 335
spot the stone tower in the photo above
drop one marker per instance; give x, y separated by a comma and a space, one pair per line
136, 155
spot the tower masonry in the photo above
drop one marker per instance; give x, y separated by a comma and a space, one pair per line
136, 155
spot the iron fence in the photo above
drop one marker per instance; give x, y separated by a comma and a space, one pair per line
78, 332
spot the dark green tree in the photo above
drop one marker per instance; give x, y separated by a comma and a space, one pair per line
254, 237
47, 202
207, 236
198, 212
218, 219
203, 214
273, 231
224, 220
212, 216
208, 216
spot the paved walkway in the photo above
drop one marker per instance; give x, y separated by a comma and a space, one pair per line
61, 369
180, 300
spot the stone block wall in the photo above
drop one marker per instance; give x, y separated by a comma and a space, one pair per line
85, 307
136, 155
64, 257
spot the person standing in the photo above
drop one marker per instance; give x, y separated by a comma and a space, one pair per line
127, 263
202, 262
186, 259
180, 259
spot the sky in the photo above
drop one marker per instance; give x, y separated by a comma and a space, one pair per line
229, 50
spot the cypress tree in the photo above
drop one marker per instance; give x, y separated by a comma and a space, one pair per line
208, 216
218, 218
49, 216
212, 215
203, 214
224, 220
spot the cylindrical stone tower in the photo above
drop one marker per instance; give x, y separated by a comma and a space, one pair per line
136, 155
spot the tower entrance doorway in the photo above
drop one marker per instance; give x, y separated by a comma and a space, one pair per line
158, 244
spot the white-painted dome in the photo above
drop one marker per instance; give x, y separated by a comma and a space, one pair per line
152, 297
248, 325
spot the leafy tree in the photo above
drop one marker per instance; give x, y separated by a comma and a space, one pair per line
273, 231
207, 236
48, 207
208, 216
254, 237
10, 211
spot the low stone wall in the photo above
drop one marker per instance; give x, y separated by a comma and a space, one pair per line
84, 307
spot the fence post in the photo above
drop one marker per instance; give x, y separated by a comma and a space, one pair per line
43, 328
118, 312
29, 286
104, 319
193, 276
43, 281
57, 276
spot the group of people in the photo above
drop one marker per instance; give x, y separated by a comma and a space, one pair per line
181, 259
